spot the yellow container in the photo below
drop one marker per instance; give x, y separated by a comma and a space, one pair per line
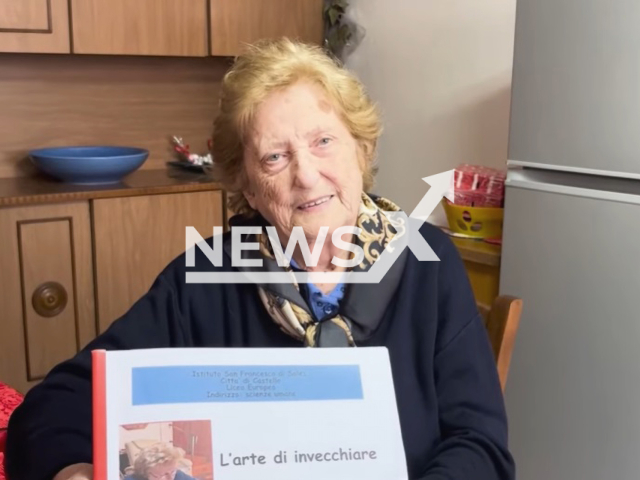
480, 222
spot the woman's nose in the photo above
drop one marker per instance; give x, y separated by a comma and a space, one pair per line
306, 170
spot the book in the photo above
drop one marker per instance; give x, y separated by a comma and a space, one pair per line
240, 414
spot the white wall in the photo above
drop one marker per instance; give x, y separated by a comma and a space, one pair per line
441, 72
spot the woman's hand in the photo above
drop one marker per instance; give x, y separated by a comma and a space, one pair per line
78, 471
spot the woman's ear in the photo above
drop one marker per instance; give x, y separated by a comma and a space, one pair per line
362, 155
250, 197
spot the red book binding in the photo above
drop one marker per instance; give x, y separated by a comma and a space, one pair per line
99, 415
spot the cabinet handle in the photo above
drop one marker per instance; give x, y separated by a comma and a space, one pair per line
49, 299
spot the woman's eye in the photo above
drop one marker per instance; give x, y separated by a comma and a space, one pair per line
274, 157
325, 141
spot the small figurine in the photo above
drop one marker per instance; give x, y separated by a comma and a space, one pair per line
185, 155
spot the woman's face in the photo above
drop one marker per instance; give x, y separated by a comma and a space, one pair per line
302, 164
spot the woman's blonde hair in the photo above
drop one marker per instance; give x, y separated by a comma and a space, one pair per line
156, 454
276, 64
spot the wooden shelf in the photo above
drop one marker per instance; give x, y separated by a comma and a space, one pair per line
478, 251
41, 189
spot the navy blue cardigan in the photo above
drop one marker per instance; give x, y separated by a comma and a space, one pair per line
449, 398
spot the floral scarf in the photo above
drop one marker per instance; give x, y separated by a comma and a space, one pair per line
363, 306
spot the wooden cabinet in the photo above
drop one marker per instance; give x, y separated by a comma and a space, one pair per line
236, 22
74, 259
135, 238
188, 28
46, 292
34, 26
140, 27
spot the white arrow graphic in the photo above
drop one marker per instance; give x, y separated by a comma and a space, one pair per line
441, 186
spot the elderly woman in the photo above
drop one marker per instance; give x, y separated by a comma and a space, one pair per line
158, 462
295, 143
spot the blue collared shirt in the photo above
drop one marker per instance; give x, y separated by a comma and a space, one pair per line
321, 304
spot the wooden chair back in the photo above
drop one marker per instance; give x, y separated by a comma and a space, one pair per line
502, 320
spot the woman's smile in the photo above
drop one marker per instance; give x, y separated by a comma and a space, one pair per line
315, 205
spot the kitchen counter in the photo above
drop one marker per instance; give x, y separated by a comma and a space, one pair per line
102, 247
42, 189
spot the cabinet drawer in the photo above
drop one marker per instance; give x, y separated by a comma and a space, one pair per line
136, 237
140, 27
46, 291
236, 22
34, 26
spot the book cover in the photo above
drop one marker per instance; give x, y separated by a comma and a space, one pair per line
240, 414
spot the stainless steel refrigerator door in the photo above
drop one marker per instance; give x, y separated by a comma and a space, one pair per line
573, 393
576, 86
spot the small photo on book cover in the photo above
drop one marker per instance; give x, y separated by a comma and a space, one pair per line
177, 450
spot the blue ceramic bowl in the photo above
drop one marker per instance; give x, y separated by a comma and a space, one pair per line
89, 165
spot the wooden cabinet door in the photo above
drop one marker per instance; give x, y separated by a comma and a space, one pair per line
34, 26
46, 289
140, 27
237, 22
136, 237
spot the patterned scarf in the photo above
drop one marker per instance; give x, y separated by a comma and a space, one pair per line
293, 315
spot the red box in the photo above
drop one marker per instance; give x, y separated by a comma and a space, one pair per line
478, 186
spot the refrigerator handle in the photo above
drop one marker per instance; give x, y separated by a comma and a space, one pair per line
623, 190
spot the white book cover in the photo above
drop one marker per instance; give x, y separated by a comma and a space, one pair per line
246, 414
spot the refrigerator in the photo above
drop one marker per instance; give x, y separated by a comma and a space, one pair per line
571, 240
